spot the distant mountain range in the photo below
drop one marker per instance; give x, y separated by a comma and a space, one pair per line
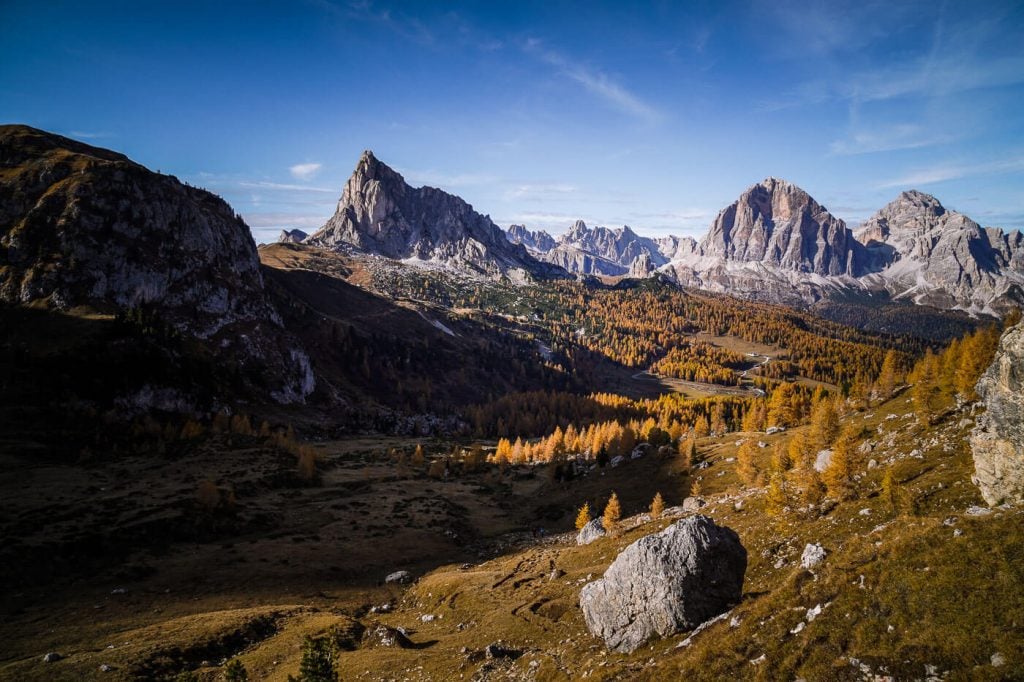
775, 243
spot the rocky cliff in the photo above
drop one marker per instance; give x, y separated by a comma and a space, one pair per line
776, 223
539, 240
381, 215
997, 442
598, 250
919, 250
83, 226
292, 236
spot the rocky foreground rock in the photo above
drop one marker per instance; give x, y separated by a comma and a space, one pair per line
666, 583
997, 442
590, 532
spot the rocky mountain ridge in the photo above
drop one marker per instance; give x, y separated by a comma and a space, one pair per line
775, 243
918, 249
380, 214
84, 226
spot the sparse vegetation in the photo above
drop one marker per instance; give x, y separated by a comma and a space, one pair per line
583, 517
611, 516
317, 661
657, 507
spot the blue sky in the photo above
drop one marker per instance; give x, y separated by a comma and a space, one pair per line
655, 116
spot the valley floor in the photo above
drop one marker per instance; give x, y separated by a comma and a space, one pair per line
126, 570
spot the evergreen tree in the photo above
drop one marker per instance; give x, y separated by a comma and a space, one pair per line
780, 406
925, 389
234, 671
890, 491
780, 459
805, 475
317, 661
776, 500
687, 450
824, 422
700, 427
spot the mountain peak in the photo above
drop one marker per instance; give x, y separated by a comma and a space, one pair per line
916, 200
778, 223
380, 213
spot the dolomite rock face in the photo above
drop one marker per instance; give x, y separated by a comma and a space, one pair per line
382, 215
292, 236
595, 250
590, 532
666, 582
641, 266
918, 249
997, 441
776, 223
535, 241
84, 226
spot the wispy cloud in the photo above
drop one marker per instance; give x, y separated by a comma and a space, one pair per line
304, 171
539, 192
594, 81
942, 173
404, 25
285, 187
442, 180
285, 220
946, 75
889, 138
89, 135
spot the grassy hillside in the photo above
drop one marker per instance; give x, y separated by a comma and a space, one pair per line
916, 584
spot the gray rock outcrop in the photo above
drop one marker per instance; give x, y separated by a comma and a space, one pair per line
85, 226
590, 532
597, 250
665, 583
919, 250
539, 240
292, 236
642, 266
380, 214
777, 223
812, 556
400, 577
997, 442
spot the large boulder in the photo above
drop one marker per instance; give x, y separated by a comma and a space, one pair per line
590, 532
665, 583
997, 441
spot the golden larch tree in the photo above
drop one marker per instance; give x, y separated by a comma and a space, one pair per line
583, 517
612, 514
657, 506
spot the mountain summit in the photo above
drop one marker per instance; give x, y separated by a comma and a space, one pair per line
921, 250
379, 213
777, 223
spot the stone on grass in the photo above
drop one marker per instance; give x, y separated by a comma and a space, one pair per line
666, 583
813, 555
590, 532
400, 577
